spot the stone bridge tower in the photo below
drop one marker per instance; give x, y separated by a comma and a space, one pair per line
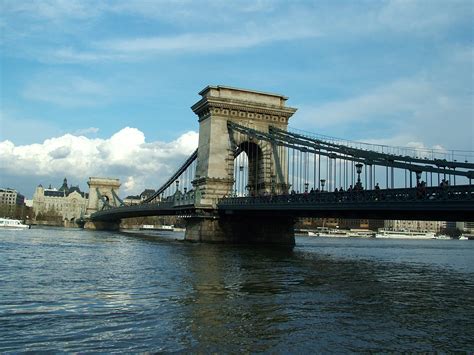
215, 162
106, 187
109, 189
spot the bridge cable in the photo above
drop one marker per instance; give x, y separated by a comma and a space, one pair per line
375, 158
170, 181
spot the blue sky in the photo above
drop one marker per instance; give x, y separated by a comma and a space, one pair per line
82, 78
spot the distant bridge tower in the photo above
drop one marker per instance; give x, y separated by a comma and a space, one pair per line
102, 191
217, 148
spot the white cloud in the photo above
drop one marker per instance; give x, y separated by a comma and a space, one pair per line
130, 184
125, 155
424, 16
60, 152
411, 109
86, 131
71, 55
246, 36
66, 90
53, 11
140, 48
405, 144
166, 10
399, 96
243, 25
18, 128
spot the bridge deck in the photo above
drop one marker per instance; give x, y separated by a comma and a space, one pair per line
455, 203
435, 203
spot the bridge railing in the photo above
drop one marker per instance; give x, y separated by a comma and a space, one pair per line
450, 193
150, 206
178, 200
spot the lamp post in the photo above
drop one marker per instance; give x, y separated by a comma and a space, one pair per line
418, 177
177, 185
306, 185
273, 184
358, 170
454, 173
241, 178
323, 181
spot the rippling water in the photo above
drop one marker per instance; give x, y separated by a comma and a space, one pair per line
77, 290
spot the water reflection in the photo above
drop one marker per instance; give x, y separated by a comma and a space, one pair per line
234, 303
90, 291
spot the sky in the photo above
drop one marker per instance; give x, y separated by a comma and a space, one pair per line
104, 88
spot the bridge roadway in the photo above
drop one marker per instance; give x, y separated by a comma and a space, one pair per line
455, 203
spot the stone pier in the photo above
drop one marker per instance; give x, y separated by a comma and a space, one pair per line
241, 230
103, 226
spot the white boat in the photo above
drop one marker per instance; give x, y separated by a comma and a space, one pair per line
383, 233
361, 233
164, 227
463, 237
6, 223
442, 236
157, 227
333, 233
147, 226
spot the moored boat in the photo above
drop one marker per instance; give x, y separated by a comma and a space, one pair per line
442, 236
6, 223
384, 233
361, 233
153, 227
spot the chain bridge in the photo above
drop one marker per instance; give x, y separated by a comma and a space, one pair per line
251, 176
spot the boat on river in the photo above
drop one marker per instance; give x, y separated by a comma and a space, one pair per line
328, 232
361, 233
385, 233
7, 223
344, 233
442, 237
152, 227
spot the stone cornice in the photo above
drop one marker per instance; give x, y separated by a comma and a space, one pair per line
208, 88
201, 180
206, 107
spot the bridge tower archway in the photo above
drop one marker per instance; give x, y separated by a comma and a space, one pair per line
218, 146
248, 169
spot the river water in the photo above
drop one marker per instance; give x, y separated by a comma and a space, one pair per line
78, 291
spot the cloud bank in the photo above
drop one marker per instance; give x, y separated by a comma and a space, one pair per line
125, 155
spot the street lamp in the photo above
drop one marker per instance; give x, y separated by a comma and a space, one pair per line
306, 185
323, 181
418, 177
454, 173
177, 185
359, 170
